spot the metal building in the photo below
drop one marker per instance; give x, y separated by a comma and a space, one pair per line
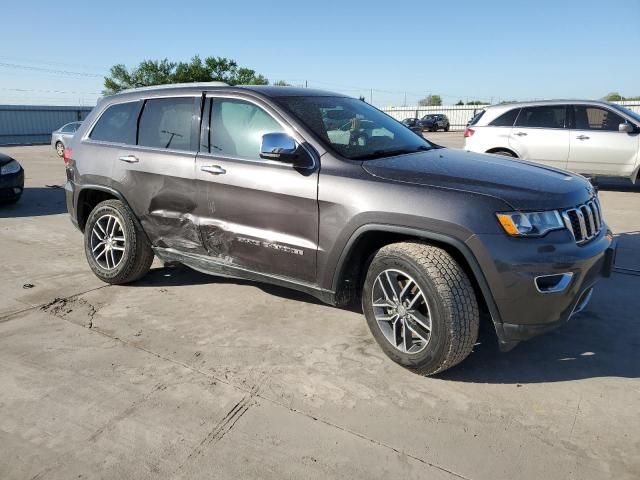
33, 124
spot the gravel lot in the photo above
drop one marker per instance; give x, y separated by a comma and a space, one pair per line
183, 375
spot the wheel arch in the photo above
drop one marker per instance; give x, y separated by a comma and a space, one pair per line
91, 195
503, 149
368, 239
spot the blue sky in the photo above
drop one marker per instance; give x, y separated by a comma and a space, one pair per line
489, 50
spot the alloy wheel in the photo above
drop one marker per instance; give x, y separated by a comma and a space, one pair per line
107, 242
401, 311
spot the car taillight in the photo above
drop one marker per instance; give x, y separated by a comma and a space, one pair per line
468, 132
66, 156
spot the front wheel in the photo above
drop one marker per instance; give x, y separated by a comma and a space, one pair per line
116, 247
420, 307
446, 129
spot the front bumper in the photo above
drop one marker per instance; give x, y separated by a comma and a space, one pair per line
511, 266
12, 185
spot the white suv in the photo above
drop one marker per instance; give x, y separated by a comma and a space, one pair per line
589, 137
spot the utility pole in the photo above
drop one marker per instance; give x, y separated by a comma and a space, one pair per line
371, 97
405, 99
306, 84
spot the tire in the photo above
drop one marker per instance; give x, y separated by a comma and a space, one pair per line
434, 128
127, 253
446, 129
60, 149
446, 296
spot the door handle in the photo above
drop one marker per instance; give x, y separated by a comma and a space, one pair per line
582, 137
213, 169
520, 134
129, 159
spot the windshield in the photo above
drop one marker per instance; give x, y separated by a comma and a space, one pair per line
631, 113
353, 128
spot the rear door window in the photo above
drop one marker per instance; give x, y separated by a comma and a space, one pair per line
167, 123
506, 119
549, 116
594, 118
117, 124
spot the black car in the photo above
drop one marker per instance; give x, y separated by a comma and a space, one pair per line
434, 122
11, 179
412, 123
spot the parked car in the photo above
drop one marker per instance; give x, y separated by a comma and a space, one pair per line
413, 125
60, 138
11, 179
434, 122
423, 236
588, 137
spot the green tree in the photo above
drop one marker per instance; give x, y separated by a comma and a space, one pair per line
281, 83
460, 102
160, 72
361, 97
477, 102
613, 97
431, 101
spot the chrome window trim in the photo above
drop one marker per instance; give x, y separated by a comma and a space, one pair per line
87, 139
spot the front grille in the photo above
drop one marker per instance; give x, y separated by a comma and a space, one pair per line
585, 221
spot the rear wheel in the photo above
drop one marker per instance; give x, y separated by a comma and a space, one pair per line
420, 307
116, 248
60, 149
504, 153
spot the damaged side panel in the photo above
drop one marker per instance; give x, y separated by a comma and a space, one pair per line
160, 188
260, 216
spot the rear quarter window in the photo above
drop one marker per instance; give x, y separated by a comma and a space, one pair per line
507, 119
476, 118
117, 124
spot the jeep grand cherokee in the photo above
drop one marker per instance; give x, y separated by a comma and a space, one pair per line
325, 194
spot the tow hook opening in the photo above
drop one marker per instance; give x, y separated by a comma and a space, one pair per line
553, 283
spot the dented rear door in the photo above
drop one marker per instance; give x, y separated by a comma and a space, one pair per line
157, 174
254, 214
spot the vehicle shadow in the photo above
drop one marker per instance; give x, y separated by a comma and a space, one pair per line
602, 341
36, 202
180, 275
614, 184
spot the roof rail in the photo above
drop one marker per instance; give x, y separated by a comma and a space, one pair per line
176, 85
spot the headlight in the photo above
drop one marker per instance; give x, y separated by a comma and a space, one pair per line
9, 168
530, 224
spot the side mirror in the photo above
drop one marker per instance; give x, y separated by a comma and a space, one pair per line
626, 128
278, 146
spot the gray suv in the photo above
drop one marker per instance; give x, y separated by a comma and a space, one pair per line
327, 195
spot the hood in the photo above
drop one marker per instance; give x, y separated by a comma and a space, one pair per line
523, 185
4, 159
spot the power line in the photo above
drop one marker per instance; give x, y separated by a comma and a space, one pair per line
51, 70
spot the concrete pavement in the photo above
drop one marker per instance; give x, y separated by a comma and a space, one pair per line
183, 375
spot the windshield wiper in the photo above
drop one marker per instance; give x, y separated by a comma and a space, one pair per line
390, 153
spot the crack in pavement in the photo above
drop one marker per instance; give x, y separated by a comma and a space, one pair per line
11, 316
239, 409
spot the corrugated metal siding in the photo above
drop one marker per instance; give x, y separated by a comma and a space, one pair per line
33, 124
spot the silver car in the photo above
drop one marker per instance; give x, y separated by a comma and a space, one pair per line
60, 138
